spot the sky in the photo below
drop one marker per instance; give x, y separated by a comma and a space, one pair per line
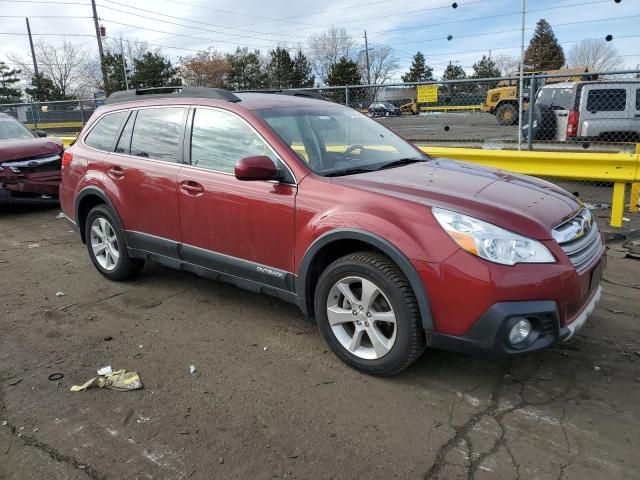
183, 27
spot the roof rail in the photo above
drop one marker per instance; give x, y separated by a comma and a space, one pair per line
171, 92
292, 92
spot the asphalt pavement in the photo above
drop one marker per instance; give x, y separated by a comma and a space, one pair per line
268, 399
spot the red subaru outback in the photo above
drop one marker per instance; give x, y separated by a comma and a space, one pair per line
391, 250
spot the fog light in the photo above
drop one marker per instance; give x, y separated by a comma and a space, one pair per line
520, 331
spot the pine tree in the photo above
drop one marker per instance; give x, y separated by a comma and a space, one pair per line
8, 78
544, 52
280, 68
454, 72
115, 74
246, 71
485, 68
419, 71
153, 70
345, 72
43, 89
302, 72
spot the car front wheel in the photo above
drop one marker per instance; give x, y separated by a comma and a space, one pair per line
107, 247
368, 314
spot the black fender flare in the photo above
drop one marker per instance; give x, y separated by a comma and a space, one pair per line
96, 192
303, 281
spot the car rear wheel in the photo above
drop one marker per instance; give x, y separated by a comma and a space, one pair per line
107, 247
386, 114
368, 314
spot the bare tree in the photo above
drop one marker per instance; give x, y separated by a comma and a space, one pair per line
596, 55
382, 64
507, 64
328, 48
204, 69
67, 66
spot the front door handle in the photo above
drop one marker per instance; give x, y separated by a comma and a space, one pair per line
116, 172
191, 187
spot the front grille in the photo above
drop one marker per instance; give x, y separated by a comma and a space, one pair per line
579, 238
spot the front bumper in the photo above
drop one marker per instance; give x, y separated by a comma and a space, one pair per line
489, 335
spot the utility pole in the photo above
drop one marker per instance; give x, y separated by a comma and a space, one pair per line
33, 52
100, 50
366, 54
124, 68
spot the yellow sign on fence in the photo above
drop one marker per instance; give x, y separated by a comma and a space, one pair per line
427, 94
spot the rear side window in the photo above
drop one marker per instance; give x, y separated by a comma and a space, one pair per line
638, 99
157, 133
103, 135
607, 100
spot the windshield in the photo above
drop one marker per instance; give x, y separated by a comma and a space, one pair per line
11, 128
556, 97
338, 140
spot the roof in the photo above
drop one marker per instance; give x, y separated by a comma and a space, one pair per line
215, 96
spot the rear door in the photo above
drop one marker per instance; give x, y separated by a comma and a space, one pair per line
240, 227
142, 171
605, 109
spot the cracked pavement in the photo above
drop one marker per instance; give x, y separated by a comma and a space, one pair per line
268, 400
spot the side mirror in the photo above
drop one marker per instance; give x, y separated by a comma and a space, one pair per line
259, 167
40, 133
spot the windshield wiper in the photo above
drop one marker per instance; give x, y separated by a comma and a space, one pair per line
400, 162
348, 171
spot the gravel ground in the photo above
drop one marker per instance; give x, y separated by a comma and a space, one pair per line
268, 400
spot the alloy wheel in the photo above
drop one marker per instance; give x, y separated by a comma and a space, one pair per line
361, 317
104, 244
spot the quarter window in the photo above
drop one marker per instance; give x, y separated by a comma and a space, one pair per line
219, 139
607, 100
103, 135
157, 133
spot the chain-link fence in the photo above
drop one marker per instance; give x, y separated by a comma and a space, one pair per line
66, 117
576, 111
573, 111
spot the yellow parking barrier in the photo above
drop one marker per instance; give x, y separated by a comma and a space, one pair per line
67, 141
617, 168
451, 108
44, 126
634, 198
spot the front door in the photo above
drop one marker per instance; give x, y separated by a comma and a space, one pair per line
244, 228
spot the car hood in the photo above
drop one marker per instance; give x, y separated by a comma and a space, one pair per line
518, 203
18, 149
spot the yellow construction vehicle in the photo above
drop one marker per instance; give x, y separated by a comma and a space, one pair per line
502, 101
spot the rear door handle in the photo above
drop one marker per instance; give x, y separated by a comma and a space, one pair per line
116, 172
191, 187
637, 115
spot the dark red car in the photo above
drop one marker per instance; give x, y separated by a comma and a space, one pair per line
29, 164
391, 250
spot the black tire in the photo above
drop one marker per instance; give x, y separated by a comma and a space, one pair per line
126, 267
507, 114
410, 339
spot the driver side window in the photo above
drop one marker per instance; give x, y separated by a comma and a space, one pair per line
219, 139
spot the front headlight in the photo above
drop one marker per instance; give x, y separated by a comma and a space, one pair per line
490, 242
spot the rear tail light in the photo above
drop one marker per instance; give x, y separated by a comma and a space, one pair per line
572, 123
67, 157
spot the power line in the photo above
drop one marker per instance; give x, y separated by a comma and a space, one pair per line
213, 41
488, 17
186, 20
495, 32
56, 2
